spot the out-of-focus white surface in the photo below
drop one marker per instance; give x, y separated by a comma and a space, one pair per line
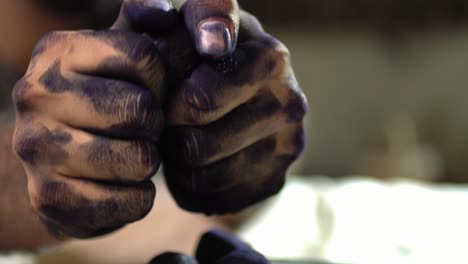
19, 258
363, 221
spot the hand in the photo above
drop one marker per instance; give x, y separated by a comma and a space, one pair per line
88, 122
236, 124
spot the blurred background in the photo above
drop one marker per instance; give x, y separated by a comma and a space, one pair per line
387, 87
386, 84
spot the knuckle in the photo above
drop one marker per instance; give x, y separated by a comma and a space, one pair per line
24, 145
27, 97
143, 51
144, 114
281, 57
46, 200
53, 36
148, 62
293, 141
200, 110
52, 46
37, 145
18, 147
24, 96
188, 114
194, 146
187, 145
274, 185
148, 108
48, 40
282, 52
296, 107
151, 161
274, 61
45, 41
128, 162
200, 105
298, 142
147, 163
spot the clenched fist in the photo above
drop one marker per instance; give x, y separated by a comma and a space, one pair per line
207, 92
89, 118
236, 124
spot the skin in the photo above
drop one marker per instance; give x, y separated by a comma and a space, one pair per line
93, 127
235, 125
20, 227
72, 129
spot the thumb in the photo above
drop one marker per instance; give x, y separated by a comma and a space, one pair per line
153, 17
161, 21
214, 25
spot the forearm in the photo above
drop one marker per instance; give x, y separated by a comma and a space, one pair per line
19, 227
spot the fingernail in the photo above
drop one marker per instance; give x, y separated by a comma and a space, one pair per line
215, 38
164, 5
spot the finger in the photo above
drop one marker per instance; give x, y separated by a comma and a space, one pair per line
115, 55
213, 90
75, 153
214, 26
209, 94
180, 55
85, 209
109, 107
241, 180
261, 117
154, 17
160, 20
111, 160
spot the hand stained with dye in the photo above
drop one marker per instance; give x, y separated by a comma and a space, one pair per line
89, 120
235, 125
99, 111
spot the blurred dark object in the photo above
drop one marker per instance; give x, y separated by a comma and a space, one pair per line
368, 13
216, 246
220, 247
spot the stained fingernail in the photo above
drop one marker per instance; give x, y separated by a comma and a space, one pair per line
215, 38
164, 5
